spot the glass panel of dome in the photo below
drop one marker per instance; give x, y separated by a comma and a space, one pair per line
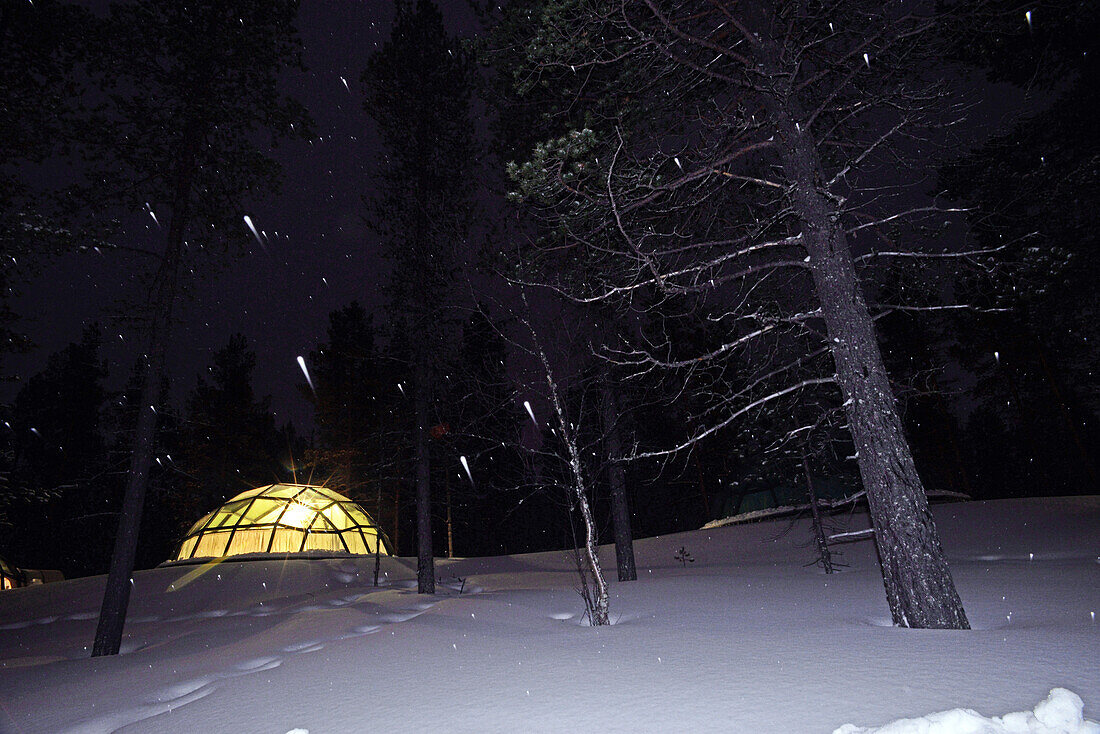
212, 544
324, 542
357, 516
287, 540
284, 491
338, 517
249, 540
200, 523
297, 516
186, 548
264, 511
355, 542
221, 517
330, 494
249, 493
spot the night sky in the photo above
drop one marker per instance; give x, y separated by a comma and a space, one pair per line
323, 258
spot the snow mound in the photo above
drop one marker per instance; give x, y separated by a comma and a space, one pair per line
1062, 712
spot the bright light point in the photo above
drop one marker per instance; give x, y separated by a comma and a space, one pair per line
1028, 16
401, 388
345, 81
305, 371
297, 515
867, 60
531, 413
466, 466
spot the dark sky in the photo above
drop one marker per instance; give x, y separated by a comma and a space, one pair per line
323, 258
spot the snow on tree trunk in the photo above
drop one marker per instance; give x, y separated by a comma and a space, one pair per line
599, 611
918, 583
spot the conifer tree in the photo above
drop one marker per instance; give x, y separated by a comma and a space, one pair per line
417, 90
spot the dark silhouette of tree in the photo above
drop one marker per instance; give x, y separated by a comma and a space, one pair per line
417, 90
1029, 189
61, 497
228, 441
190, 93
39, 49
480, 423
355, 397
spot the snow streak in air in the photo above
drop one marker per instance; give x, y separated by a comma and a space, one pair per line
255, 233
531, 413
305, 371
466, 466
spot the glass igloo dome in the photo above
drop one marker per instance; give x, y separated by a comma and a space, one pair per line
284, 518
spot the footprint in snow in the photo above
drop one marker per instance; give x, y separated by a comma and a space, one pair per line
252, 666
180, 690
311, 646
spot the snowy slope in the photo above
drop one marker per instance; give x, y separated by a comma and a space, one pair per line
745, 639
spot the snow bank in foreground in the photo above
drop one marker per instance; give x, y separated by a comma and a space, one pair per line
1062, 712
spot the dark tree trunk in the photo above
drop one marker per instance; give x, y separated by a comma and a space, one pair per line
116, 595
918, 583
819, 529
378, 522
397, 515
616, 475
425, 563
450, 524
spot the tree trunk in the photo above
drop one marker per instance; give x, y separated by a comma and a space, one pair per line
599, 610
116, 595
918, 583
616, 475
378, 523
425, 563
450, 525
819, 529
397, 515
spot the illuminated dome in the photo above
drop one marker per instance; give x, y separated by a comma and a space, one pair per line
284, 518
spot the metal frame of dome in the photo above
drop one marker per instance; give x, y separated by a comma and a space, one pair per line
284, 518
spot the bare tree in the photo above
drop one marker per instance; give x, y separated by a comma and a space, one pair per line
567, 432
732, 160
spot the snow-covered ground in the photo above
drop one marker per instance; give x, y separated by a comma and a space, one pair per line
747, 638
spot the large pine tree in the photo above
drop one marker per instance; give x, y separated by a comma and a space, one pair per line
192, 103
418, 92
